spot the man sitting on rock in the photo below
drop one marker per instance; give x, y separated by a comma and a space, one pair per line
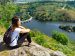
19, 33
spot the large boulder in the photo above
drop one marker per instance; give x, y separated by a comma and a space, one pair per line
33, 50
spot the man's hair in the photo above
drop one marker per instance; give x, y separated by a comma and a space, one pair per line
15, 20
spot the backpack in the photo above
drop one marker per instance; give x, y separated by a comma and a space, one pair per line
7, 36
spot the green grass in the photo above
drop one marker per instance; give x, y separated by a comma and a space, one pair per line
52, 43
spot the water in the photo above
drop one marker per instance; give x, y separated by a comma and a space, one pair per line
24, 1
48, 27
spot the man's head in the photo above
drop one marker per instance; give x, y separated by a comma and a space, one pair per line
16, 21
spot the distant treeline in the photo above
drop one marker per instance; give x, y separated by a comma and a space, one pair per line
49, 11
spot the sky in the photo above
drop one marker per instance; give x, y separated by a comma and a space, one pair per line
42, 0
64, 0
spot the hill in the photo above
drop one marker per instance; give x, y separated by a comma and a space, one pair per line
49, 11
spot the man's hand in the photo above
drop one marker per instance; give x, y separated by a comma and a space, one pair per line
28, 30
21, 27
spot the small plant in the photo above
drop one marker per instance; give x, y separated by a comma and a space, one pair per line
60, 37
3, 29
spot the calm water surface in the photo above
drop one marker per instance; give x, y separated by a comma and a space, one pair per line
48, 27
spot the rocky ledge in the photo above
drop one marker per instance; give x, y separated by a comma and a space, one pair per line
33, 50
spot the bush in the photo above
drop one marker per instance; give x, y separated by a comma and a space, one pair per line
38, 37
8, 11
60, 37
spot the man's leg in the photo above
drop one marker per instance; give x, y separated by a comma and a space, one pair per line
22, 38
29, 39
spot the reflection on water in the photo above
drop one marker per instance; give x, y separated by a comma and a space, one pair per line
49, 27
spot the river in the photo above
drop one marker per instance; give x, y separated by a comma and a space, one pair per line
48, 27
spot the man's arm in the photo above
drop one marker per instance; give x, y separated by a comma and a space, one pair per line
21, 27
24, 30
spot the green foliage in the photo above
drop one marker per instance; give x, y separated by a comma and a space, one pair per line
49, 11
39, 38
50, 42
8, 11
3, 2
60, 37
25, 16
2, 29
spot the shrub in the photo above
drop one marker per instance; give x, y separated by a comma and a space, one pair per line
3, 29
60, 37
38, 37
8, 11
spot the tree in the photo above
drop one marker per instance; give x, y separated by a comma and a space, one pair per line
3, 2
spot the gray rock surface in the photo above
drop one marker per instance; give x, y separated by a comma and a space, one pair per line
58, 53
33, 50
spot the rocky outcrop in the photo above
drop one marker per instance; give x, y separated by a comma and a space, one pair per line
57, 53
33, 50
